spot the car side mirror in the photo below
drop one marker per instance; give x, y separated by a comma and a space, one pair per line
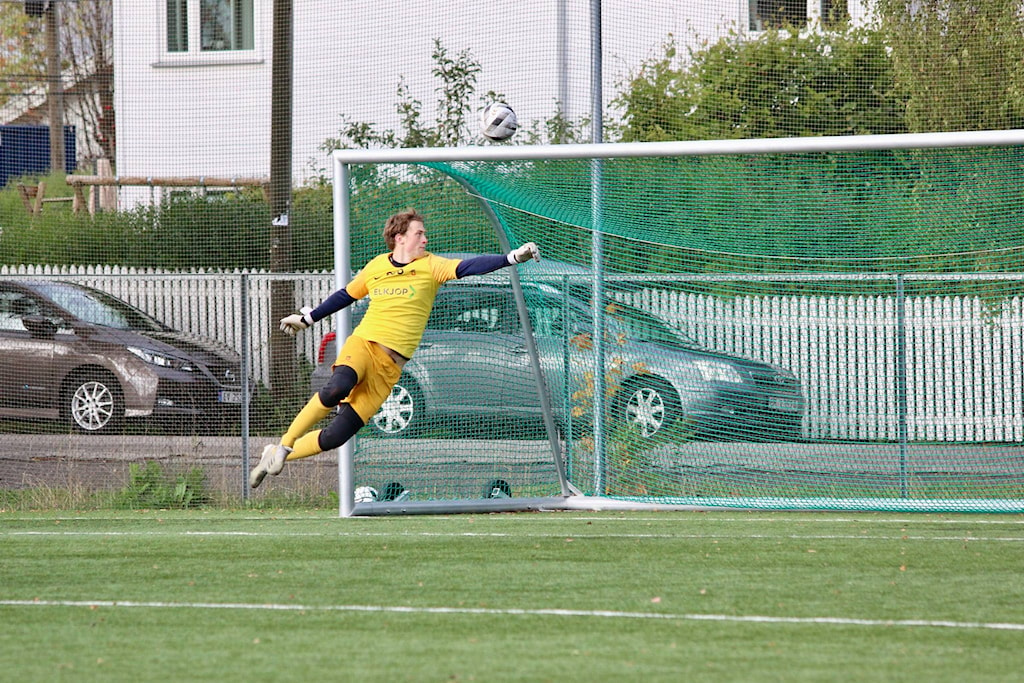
40, 327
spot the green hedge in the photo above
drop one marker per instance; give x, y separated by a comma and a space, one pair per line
232, 230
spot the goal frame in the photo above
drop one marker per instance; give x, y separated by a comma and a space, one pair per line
571, 497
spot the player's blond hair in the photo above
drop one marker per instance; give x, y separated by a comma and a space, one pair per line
398, 224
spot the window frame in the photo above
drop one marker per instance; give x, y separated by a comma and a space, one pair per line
191, 37
826, 13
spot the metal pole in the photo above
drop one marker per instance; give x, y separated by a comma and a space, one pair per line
543, 394
646, 150
901, 381
596, 246
55, 89
563, 60
246, 388
566, 394
343, 319
283, 359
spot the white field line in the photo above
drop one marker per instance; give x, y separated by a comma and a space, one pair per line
431, 534
664, 518
590, 614
815, 518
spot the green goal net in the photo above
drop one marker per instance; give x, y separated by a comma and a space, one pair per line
781, 329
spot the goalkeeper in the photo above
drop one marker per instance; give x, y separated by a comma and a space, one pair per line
401, 286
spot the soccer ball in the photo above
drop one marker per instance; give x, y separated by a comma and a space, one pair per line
498, 121
366, 494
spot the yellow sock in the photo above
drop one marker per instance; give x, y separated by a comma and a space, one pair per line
313, 412
306, 445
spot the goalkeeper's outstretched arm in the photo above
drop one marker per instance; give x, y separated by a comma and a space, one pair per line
297, 322
477, 265
488, 263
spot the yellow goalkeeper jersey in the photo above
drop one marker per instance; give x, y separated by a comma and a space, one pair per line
401, 298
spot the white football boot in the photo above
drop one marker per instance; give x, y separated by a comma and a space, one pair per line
271, 462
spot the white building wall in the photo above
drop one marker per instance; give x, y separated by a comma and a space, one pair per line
187, 116
209, 114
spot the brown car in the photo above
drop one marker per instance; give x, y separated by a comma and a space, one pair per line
79, 354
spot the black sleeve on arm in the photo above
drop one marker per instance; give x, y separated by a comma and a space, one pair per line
479, 265
332, 304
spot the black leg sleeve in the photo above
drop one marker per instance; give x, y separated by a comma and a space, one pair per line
342, 428
338, 386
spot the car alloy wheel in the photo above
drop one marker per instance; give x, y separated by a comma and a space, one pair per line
646, 411
94, 404
649, 406
400, 413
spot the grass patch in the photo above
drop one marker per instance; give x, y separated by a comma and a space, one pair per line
232, 595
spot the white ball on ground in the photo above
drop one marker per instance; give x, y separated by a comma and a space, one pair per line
365, 494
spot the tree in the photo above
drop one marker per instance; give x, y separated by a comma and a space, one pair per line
378, 190
777, 84
457, 78
957, 64
87, 50
22, 52
87, 46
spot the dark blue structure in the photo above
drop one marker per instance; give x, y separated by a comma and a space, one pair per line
25, 150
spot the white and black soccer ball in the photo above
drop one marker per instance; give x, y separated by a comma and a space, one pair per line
365, 494
498, 121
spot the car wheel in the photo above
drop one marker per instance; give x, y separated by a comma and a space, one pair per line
93, 402
402, 412
648, 407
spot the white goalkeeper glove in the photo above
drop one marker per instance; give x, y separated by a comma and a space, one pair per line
524, 253
290, 324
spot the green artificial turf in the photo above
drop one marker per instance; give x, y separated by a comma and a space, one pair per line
253, 596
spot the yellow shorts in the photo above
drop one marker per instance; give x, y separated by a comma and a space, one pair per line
376, 371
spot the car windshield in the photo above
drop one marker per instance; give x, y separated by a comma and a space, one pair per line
548, 314
644, 327
471, 309
98, 308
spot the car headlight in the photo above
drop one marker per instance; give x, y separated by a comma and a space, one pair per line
717, 371
160, 360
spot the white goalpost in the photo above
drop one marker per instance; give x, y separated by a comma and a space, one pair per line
570, 496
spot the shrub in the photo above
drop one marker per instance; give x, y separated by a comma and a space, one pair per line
150, 486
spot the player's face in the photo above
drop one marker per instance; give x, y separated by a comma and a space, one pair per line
413, 243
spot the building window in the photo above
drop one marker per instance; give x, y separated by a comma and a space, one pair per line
222, 26
768, 14
775, 14
177, 26
834, 12
225, 24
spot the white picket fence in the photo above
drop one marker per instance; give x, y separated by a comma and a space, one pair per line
964, 361
964, 364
